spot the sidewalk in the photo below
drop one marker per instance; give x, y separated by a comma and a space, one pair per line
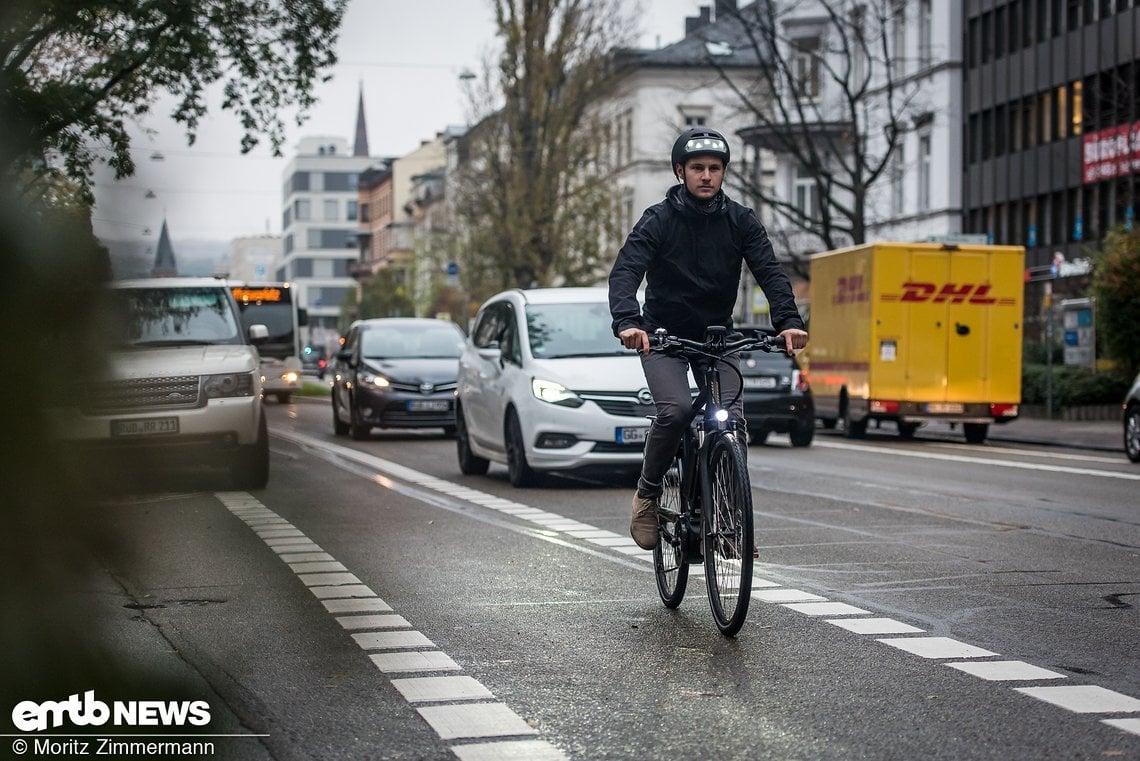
1100, 435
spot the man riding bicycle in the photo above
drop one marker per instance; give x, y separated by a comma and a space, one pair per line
689, 248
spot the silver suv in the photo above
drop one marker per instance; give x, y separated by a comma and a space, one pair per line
182, 381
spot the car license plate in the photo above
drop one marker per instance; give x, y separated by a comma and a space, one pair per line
630, 435
144, 427
759, 381
945, 408
430, 405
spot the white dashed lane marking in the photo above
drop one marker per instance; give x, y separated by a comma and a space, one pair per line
766, 590
463, 712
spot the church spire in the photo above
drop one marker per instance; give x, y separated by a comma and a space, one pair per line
164, 264
360, 148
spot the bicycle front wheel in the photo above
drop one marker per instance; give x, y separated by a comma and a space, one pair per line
669, 564
728, 538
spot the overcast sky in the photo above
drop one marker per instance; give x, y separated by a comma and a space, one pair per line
407, 56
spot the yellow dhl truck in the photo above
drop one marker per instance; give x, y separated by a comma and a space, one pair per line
914, 333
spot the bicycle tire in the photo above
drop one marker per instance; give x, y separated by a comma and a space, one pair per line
728, 538
669, 564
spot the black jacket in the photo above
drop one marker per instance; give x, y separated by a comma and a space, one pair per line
690, 260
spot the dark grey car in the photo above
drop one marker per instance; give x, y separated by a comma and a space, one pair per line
777, 397
1132, 422
397, 372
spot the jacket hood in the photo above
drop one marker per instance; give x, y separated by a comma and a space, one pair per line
680, 199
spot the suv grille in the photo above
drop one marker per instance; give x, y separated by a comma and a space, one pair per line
146, 393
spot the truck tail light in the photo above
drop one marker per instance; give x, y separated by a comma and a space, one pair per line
882, 407
1003, 410
800, 381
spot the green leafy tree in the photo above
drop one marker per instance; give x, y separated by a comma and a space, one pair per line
385, 295
531, 198
73, 73
1116, 285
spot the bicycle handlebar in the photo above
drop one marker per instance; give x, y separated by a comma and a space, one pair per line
717, 347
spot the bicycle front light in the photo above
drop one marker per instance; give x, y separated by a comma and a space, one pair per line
554, 393
721, 416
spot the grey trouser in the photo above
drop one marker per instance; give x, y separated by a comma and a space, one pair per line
668, 381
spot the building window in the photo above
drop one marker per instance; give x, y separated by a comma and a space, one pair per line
898, 35
694, 121
1016, 127
806, 193
805, 67
924, 171
332, 210
1078, 104
1015, 26
1062, 111
925, 34
350, 208
302, 210
898, 181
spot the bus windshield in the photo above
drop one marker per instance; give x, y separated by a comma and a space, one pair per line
273, 307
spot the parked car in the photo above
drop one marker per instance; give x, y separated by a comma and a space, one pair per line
777, 396
545, 386
396, 372
1132, 422
183, 382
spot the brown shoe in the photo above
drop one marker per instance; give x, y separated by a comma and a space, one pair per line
643, 525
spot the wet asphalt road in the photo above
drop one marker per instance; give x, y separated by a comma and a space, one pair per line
924, 599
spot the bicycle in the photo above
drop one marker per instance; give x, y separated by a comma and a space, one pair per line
710, 469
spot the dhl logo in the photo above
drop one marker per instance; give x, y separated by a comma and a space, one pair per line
953, 293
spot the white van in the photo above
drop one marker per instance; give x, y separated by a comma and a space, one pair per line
544, 386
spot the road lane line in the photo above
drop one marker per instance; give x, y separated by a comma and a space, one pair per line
343, 592
1005, 671
874, 626
937, 647
1084, 698
979, 461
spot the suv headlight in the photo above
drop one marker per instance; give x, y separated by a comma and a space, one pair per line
554, 393
227, 385
377, 381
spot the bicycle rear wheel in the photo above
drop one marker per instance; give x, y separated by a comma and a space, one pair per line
669, 564
728, 535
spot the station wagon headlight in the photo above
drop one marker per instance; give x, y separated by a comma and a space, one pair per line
554, 393
371, 379
227, 385
290, 376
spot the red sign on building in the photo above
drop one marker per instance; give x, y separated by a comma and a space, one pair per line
1112, 152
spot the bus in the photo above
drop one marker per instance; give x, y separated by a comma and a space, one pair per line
273, 305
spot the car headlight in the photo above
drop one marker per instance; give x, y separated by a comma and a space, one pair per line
227, 385
290, 377
377, 381
554, 393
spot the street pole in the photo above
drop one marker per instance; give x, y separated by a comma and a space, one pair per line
1048, 350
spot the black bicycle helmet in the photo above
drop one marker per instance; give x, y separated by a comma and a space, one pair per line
699, 141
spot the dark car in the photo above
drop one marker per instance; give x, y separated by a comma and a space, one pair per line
397, 372
1132, 422
777, 396
313, 360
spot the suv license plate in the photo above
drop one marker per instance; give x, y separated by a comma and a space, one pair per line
630, 435
144, 427
435, 405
